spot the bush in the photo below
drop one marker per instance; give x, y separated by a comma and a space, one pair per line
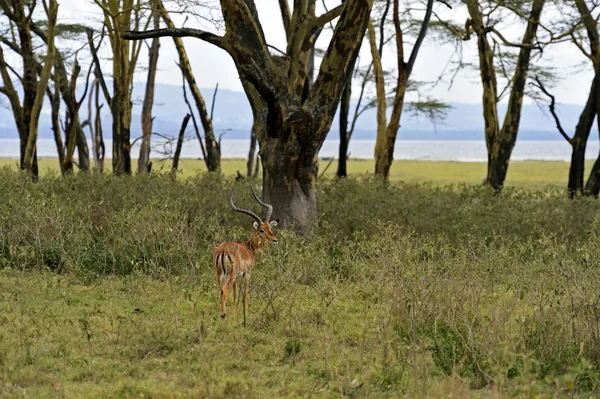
450, 280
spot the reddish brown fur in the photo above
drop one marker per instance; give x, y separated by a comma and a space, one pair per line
238, 258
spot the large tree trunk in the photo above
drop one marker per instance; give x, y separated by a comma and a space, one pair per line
344, 114
290, 172
502, 146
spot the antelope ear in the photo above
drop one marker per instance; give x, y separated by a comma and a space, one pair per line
273, 223
255, 225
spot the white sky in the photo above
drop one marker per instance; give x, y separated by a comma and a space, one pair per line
212, 65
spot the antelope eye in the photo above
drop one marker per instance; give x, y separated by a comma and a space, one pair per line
262, 231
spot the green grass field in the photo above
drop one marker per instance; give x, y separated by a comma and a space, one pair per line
412, 290
534, 174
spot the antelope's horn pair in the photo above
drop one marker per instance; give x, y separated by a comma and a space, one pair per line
250, 213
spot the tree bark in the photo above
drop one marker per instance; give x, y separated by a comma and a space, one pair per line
149, 99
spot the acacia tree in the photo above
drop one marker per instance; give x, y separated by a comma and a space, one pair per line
120, 16
59, 77
292, 117
27, 111
387, 132
500, 141
575, 19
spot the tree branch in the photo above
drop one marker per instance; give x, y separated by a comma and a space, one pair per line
286, 16
176, 32
323, 19
510, 44
540, 86
99, 75
420, 38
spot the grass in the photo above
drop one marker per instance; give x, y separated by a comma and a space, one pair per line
415, 290
532, 174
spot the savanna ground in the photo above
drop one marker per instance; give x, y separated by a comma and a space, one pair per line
414, 290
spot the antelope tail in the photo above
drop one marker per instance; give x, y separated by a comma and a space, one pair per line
221, 259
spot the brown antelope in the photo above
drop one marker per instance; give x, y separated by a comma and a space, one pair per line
234, 258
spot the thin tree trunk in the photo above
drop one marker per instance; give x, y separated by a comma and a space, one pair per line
90, 123
42, 85
592, 187
55, 110
386, 139
213, 159
149, 99
251, 153
98, 134
179, 145
380, 143
580, 139
503, 145
344, 138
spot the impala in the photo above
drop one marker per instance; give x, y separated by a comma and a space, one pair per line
234, 258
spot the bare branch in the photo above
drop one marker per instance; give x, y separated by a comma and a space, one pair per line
214, 99
510, 44
323, 19
420, 38
176, 32
540, 86
286, 16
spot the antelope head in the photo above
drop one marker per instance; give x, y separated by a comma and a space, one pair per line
262, 232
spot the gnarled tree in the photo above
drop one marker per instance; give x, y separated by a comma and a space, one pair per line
294, 116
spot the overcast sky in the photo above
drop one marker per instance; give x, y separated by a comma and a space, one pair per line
212, 65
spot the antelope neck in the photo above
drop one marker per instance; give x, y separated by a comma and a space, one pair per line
254, 243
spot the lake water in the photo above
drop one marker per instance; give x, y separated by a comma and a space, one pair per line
459, 151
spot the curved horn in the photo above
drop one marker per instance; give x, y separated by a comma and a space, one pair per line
244, 211
269, 207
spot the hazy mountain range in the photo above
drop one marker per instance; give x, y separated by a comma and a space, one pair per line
232, 111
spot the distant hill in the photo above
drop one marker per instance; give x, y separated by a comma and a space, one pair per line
233, 113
